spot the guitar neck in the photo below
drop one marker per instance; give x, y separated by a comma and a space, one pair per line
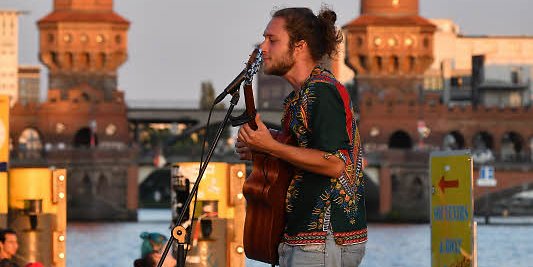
250, 105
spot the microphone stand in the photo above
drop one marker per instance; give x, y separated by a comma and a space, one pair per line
178, 231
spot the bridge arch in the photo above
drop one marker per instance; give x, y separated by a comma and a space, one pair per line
512, 200
30, 143
511, 146
86, 185
454, 140
84, 137
400, 140
482, 141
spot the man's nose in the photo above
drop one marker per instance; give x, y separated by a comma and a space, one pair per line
263, 46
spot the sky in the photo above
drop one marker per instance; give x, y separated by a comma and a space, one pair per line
175, 45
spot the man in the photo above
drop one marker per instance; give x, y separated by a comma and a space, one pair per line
326, 219
8, 248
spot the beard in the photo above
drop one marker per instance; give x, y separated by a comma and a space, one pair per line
281, 66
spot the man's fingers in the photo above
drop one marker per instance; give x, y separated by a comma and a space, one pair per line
239, 144
244, 134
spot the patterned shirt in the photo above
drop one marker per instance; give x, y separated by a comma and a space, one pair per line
320, 116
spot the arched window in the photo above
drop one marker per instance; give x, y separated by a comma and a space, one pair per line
400, 140
426, 42
412, 63
511, 146
395, 64
102, 59
85, 138
69, 60
30, 140
482, 141
55, 59
379, 63
482, 145
453, 141
86, 58
363, 61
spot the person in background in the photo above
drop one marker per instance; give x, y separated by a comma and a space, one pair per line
151, 251
8, 248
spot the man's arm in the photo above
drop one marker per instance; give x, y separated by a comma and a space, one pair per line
312, 160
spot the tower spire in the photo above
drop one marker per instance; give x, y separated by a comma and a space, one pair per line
389, 7
84, 5
389, 46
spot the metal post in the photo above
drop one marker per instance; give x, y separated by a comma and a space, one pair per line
487, 208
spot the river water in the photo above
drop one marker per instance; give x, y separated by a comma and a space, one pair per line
507, 243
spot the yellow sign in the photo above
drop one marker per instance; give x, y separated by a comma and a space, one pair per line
452, 242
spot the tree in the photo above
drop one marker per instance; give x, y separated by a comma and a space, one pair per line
208, 97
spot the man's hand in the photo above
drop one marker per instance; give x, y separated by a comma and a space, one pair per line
259, 140
242, 150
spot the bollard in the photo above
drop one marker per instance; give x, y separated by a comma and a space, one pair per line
37, 212
4, 157
3, 200
217, 230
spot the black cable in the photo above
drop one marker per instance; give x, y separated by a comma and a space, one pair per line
189, 234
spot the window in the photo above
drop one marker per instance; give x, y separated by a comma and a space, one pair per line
396, 63
379, 63
100, 38
50, 37
29, 140
362, 61
426, 42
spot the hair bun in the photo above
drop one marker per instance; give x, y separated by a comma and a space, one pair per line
328, 15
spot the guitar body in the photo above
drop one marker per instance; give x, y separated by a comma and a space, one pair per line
265, 190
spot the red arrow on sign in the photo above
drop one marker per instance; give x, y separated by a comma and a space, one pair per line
443, 184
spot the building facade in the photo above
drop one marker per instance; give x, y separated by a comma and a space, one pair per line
9, 54
422, 86
29, 84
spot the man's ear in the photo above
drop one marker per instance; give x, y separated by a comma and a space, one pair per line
300, 45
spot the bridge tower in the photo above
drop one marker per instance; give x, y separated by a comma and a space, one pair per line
82, 126
389, 46
83, 42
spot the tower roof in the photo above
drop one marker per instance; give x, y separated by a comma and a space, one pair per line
86, 5
83, 11
389, 7
390, 13
73, 16
371, 20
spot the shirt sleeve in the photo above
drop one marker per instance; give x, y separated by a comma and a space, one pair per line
327, 120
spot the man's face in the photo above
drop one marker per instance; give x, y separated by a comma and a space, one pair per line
10, 246
278, 57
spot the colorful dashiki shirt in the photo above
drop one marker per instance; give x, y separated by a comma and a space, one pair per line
320, 116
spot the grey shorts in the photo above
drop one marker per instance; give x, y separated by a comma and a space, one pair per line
322, 255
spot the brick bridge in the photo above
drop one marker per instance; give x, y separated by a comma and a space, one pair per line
385, 167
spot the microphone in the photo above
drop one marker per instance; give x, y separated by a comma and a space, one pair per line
232, 87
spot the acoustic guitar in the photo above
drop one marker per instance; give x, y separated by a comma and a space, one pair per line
265, 190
